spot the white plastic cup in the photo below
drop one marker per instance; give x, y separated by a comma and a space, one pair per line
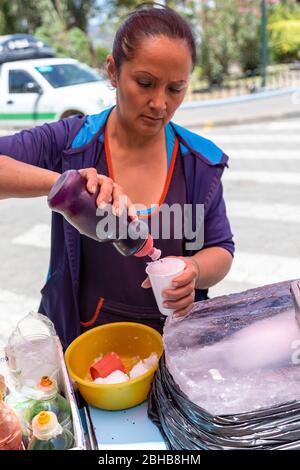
161, 274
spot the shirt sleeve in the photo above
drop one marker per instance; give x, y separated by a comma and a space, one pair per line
217, 231
40, 146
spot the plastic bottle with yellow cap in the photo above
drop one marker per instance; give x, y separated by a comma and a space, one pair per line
48, 434
51, 400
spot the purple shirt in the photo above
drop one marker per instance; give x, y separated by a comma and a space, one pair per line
119, 284
76, 143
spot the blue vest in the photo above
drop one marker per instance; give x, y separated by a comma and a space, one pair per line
203, 164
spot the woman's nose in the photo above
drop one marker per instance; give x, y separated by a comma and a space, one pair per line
159, 101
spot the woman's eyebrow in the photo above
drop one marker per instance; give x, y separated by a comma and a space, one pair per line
178, 82
145, 71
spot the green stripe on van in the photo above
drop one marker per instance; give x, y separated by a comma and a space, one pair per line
24, 116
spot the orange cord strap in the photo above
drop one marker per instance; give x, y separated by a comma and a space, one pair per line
95, 316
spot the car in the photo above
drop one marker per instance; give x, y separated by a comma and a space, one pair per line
23, 46
41, 90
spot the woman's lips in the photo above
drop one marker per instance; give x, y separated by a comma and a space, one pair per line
150, 118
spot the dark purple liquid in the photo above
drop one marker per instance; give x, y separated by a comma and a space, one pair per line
70, 197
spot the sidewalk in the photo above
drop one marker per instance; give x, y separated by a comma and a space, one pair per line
245, 109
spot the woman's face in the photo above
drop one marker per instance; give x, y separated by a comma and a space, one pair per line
152, 85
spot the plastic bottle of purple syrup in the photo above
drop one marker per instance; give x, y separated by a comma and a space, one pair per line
70, 198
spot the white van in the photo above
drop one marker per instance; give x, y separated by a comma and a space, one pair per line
42, 90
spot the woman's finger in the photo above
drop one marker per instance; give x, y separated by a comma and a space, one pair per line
109, 192
179, 304
92, 178
174, 294
185, 278
121, 203
183, 312
146, 283
106, 190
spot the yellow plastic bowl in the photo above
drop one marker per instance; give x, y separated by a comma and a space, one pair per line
128, 340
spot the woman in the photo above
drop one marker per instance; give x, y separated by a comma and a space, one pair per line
132, 149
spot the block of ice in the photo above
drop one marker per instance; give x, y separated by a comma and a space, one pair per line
115, 377
143, 366
237, 353
151, 360
138, 370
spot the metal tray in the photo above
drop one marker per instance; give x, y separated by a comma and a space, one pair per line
82, 437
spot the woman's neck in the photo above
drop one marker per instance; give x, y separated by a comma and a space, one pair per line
126, 138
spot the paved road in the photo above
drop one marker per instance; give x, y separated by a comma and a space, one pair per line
262, 190
280, 104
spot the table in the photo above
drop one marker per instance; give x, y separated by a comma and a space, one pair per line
126, 429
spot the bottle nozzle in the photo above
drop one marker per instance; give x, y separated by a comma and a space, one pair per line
46, 381
43, 418
155, 254
47, 385
149, 250
45, 425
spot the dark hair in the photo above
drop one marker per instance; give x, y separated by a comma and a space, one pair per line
150, 20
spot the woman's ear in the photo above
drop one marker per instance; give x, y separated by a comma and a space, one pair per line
111, 70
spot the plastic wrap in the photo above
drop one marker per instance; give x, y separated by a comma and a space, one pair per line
226, 343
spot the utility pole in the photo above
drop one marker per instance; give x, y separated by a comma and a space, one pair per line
264, 43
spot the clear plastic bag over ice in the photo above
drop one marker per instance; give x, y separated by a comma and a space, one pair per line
249, 369
32, 353
231, 375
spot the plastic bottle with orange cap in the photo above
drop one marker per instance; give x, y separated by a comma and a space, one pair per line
48, 434
51, 400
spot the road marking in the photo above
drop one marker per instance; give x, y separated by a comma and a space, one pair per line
257, 269
263, 177
283, 213
255, 138
13, 307
255, 154
39, 236
283, 125
259, 129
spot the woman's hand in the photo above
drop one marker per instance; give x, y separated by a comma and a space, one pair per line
182, 296
110, 192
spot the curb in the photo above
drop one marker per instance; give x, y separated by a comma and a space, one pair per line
238, 99
210, 124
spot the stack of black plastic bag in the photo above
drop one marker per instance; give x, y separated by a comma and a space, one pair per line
230, 378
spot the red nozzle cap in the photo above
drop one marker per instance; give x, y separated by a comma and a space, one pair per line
146, 248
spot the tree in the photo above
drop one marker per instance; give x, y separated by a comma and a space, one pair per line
67, 43
283, 10
248, 36
75, 13
217, 48
284, 31
60, 23
26, 16
284, 40
230, 33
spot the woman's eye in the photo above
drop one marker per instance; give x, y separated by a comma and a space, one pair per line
144, 84
175, 90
